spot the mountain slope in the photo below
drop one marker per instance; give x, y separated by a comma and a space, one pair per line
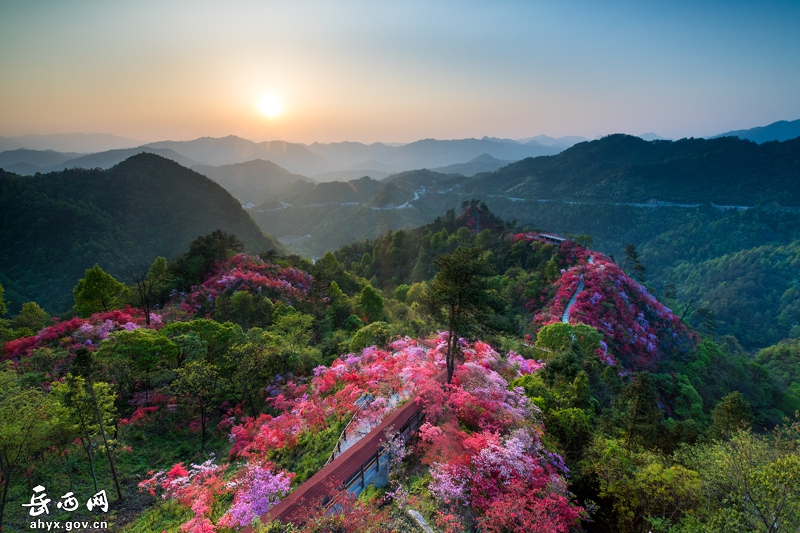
54, 226
250, 181
777, 131
622, 168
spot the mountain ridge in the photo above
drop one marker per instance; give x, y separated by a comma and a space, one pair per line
781, 130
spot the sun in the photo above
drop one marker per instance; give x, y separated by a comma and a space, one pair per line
270, 105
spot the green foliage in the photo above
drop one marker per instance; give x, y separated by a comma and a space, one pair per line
643, 486
198, 384
377, 334
98, 292
559, 336
401, 292
150, 286
215, 338
751, 482
139, 356
636, 411
731, 415
313, 448
31, 319
27, 420
3, 307
371, 304
783, 361
205, 252
752, 293
243, 308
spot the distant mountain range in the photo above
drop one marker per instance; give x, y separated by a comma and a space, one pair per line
344, 161
325, 161
319, 158
777, 131
27, 161
83, 143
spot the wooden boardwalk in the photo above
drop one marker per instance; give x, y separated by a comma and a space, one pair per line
354, 469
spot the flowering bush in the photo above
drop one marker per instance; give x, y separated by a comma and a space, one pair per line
150, 406
79, 332
485, 452
257, 490
195, 487
247, 273
637, 328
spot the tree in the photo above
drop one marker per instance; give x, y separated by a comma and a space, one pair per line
371, 304
198, 383
88, 408
704, 317
459, 298
637, 408
142, 353
97, 292
150, 285
730, 415
205, 252
632, 263
31, 318
375, 334
25, 423
642, 486
253, 363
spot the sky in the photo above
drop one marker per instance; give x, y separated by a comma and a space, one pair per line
396, 71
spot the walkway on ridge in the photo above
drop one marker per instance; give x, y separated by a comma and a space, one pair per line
565, 316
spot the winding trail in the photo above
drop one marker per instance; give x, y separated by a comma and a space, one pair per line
565, 316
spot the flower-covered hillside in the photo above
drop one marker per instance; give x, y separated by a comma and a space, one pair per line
638, 329
481, 441
244, 273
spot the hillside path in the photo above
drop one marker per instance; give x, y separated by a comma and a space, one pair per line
565, 316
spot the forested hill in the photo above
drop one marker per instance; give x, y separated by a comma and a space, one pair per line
55, 226
621, 168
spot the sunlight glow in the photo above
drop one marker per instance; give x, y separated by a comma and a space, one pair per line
270, 106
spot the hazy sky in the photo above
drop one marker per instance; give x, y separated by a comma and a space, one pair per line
396, 71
